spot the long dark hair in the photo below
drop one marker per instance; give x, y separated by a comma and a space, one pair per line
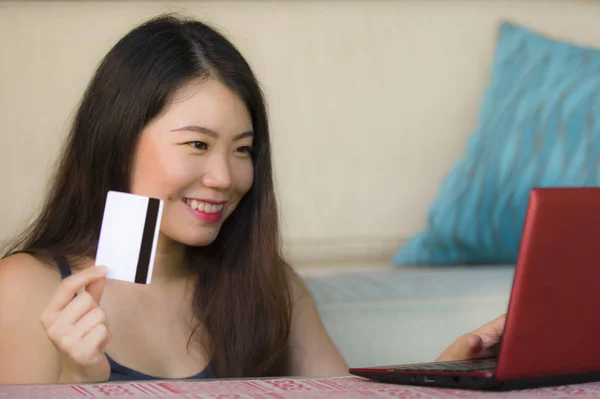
242, 294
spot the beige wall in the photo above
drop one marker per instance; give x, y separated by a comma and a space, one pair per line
370, 101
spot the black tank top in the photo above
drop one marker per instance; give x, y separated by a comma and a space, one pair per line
118, 372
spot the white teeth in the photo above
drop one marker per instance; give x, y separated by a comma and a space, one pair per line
204, 206
212, 208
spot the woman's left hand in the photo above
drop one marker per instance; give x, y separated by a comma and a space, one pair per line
481, 343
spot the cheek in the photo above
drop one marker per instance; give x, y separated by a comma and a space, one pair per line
158, 172
243, 178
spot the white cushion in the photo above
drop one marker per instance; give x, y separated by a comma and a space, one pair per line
382, 316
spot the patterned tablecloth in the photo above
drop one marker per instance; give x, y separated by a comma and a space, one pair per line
342, 388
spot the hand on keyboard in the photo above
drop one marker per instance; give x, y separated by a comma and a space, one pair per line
481, 343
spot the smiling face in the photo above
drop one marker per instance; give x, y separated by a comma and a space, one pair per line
196, 157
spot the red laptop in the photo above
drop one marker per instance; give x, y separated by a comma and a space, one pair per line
552, 331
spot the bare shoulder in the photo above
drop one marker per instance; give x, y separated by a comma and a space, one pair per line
25, 273
298, 290
311, 352
26, 353
26, 285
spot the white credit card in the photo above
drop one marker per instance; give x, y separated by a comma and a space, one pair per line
128, 237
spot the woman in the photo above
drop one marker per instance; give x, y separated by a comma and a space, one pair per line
173, 112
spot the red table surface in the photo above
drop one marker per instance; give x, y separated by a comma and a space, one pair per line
347, 387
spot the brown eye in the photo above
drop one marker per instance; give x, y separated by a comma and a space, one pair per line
245, 149
199, 145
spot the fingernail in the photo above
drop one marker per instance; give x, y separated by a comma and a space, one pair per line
102, 269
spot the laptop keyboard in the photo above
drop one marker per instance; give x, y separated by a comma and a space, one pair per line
463, 365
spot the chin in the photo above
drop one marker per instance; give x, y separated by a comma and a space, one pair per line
201, 238
199, 242
192, 237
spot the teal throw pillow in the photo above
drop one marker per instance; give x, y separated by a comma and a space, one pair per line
538, 126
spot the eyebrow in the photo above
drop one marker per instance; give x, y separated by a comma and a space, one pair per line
212, 133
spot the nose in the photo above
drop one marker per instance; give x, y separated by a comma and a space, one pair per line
218, 173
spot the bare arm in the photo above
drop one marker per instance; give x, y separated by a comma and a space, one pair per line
311, 352
26, 354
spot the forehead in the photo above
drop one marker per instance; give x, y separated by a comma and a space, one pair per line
210, 104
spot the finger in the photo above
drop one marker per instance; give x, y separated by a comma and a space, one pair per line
70, 315
78, 308
498, 324
465, 347
474, 346
97, 338
490, 351
86, 351
88, 322
96, 288
492, 331
69, 286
